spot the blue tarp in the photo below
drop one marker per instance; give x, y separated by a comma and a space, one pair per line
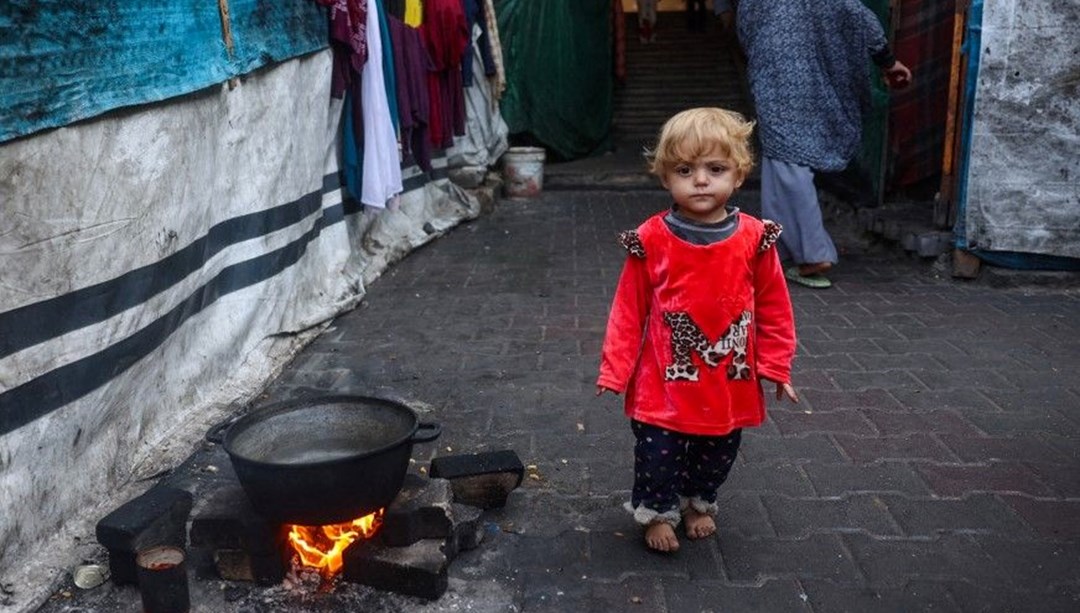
62, 60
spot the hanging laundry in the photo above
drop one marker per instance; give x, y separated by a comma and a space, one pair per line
474, 15
381, 166
414, 13
412, 65
348, 41
445, 35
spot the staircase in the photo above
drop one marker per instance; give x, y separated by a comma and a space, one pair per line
681, 69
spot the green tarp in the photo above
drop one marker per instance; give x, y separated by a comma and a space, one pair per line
558, 61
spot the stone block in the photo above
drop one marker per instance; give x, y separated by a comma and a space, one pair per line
482, 479
158, 517
468, 530
224, 519
468, 177
416, 570
240, 565
421, 510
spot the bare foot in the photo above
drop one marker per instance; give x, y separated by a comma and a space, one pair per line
660, 536
698, 525
815, 268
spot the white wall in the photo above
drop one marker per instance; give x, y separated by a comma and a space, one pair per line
1024, 177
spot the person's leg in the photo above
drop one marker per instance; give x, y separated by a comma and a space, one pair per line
788, 197
709, 460
654, 500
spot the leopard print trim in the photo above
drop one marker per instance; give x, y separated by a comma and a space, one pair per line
632, 243
688, 339
772, 232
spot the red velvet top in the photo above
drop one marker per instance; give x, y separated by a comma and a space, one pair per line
693, 327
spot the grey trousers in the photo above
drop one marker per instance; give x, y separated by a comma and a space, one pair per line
788, 197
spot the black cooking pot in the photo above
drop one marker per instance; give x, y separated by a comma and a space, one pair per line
324, 460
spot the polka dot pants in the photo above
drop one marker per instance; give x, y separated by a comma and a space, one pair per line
669, 464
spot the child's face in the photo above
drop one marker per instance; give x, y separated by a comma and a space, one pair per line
702, 187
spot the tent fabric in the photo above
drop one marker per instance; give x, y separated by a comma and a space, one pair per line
66, 61
558, 56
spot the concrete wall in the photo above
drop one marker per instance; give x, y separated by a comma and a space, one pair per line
1024, 176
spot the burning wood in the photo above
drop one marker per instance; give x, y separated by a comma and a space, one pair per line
321, 547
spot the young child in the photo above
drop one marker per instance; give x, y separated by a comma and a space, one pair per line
700, 319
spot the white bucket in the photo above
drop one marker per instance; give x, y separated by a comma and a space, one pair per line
523, 170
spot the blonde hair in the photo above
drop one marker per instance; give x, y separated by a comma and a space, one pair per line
695, 133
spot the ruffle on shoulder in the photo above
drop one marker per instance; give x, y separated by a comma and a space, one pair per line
631, 241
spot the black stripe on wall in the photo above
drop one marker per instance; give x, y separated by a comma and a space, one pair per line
42, 395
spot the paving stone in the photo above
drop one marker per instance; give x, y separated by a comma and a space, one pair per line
744, 514
1001, 477
1056, 520
978, 513
1063, 479
820, 400
714, 597
923, 447
893, 563
982, 379
773, 449
784, 477
915, 596
891, 380
890, 423
1034, 565
982, 598
840, 479
900, 361
795, 422
801, 517
929, 400
1015, 448
821, 556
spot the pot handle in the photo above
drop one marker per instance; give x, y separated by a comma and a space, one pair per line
426, 432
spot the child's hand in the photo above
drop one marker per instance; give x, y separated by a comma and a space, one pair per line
600, 389
898, 76
784, 390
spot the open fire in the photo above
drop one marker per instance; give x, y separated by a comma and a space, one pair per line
322, 547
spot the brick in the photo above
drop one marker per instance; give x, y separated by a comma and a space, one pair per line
421, 510
909, 447
468, 529
1057, 520
417, 570
800, 517
841, 479
482, 480
224, 519
157, 517
893, 563
978, 513
820, 556
997, 477
793, 422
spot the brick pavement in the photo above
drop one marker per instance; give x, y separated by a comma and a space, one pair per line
934, 463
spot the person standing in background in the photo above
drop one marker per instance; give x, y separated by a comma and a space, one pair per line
807, 63
646, 20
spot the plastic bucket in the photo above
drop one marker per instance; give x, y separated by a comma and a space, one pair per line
523, 170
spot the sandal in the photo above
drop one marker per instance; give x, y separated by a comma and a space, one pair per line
811, 281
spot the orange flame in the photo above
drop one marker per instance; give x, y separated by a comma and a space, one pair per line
322, 547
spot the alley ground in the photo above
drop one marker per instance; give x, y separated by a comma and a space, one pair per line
934, 463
